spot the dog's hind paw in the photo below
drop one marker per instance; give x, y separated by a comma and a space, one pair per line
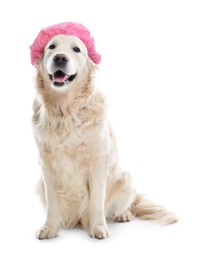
46, 232
124, 217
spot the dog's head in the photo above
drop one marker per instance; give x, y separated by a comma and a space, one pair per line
65, 60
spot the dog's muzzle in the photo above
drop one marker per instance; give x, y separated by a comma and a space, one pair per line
59, 77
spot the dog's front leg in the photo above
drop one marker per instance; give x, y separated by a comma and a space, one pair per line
50, 227
97, 186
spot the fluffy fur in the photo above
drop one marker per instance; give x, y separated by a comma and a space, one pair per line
82, 181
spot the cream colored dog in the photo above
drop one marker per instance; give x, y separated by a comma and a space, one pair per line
82, 182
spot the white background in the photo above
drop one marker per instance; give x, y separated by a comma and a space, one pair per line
151, 67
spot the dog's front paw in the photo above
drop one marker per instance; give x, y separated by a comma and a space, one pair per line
99, 232
46, 232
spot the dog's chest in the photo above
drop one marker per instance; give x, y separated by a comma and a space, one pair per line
69, 140
63, 149
65, 141
71, 129
59, 132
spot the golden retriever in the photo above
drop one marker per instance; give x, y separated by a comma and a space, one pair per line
82, 181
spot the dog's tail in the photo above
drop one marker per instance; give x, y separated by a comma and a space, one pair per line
145, 209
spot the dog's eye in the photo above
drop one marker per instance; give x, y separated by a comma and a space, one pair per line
76, 49
52, 46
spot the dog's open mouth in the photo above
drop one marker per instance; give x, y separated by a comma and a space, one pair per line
59, 78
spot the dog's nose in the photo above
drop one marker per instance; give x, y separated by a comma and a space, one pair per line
60, 59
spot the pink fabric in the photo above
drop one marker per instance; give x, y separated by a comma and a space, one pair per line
68, 28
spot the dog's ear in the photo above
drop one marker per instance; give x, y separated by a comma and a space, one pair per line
39, 82
39, 62
92, 66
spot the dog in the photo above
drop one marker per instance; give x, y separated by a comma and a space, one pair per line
82, 182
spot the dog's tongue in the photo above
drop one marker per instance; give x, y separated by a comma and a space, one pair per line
59, 77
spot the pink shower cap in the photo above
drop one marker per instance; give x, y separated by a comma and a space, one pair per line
68, 28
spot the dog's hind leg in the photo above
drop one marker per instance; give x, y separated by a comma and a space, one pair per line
125, 217
120, 199
123, 204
